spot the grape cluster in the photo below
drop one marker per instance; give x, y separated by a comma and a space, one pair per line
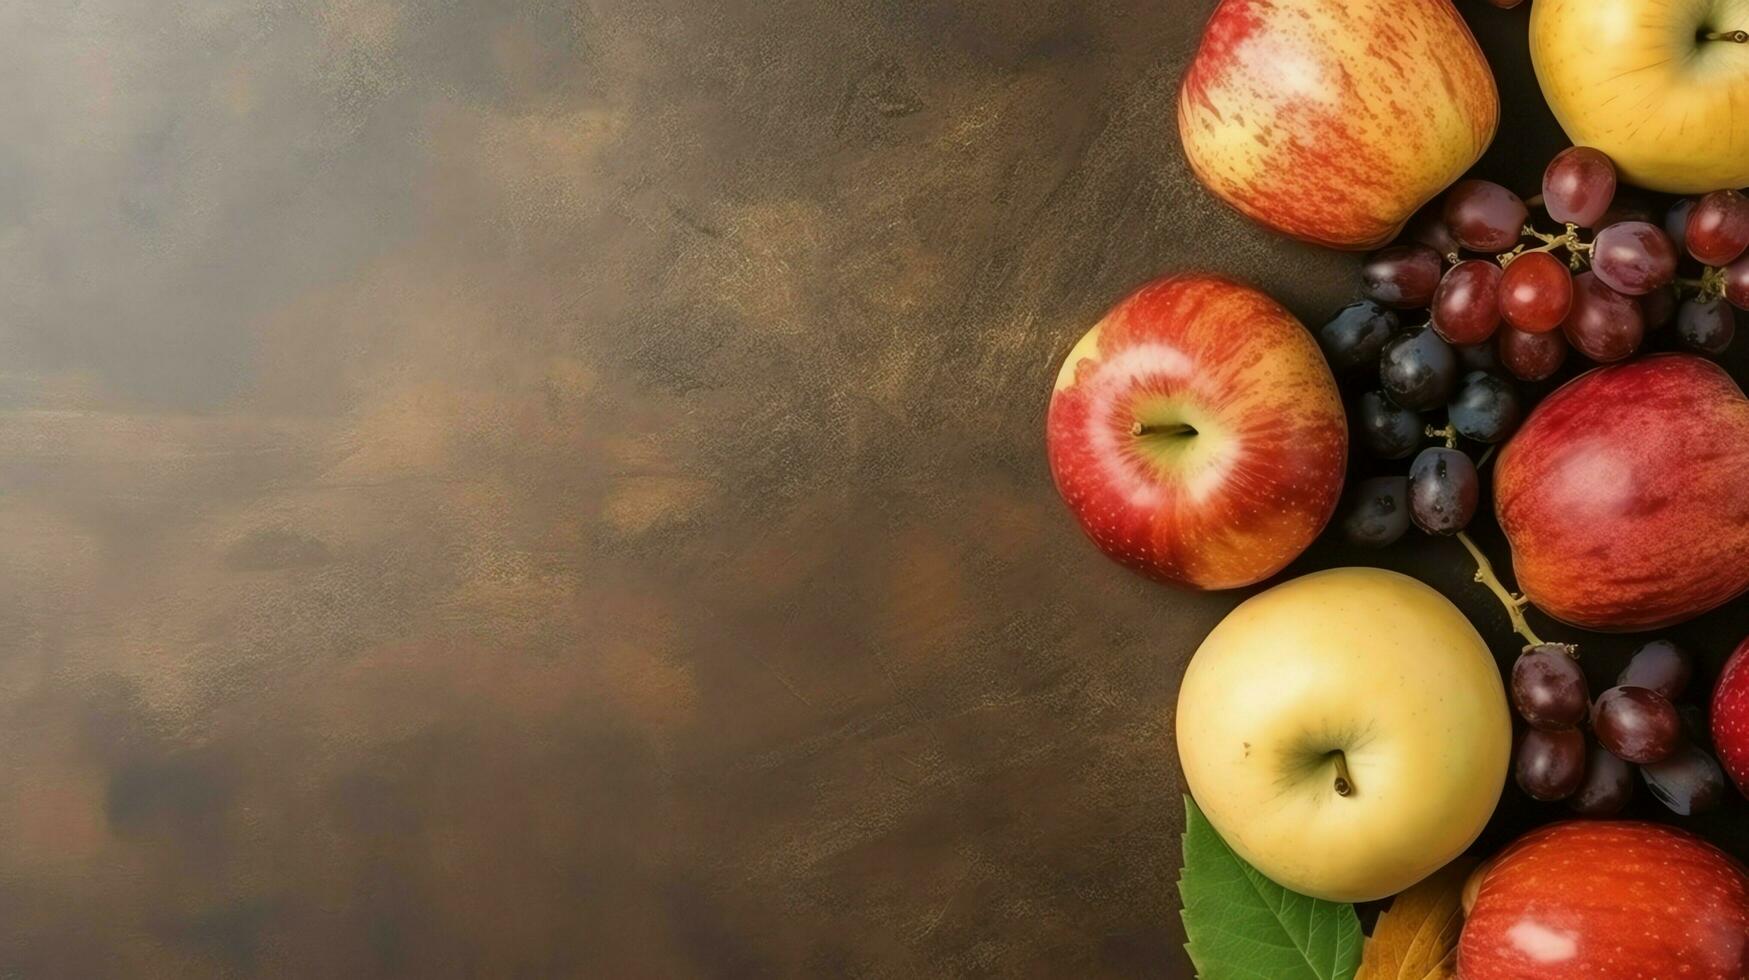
1637, 723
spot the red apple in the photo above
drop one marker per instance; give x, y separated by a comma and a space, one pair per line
1622, 495
1608, 900
1197, 434
1334, 120
1731, 717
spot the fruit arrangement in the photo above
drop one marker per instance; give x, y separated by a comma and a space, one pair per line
1347, 736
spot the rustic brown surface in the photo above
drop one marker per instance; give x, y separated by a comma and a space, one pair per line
540, 489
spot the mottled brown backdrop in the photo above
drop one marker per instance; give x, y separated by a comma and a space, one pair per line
553, 488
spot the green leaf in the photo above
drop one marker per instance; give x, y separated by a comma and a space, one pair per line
1242, 926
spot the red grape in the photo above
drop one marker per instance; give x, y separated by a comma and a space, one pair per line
1505, 4
1718, 228
1676, 223
1429, 229
1661, 666
1634, 257
1737, 284
1578, 186
1604, 325
1536, 291
1402, 276
1688, 782
1607, 787
1548, 688
1659, 307
1706, 325
1638, 724
1466, 307
1484, 216
1550, 765
1532, 356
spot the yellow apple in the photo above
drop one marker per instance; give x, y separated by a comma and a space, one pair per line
1656, 84
1335, 120
1346, 732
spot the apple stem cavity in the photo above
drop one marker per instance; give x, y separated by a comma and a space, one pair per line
1514, 604
1344, 784
1140, 429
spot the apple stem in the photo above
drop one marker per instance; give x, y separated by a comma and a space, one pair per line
1737, 37
1514, 604
1140, 429
1344, 785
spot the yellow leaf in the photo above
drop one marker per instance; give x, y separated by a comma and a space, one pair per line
1416, 939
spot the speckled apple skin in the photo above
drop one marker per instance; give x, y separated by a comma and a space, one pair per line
1334, 120
1608, 900
1273, 442
1625, 495
1730, 717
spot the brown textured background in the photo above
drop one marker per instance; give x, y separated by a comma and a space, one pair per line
555, 488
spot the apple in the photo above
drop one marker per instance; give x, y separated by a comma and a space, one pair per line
1730, 721
1335, 120
1656, 86
1197, 434
1607, 900
1346, 732
1622, 495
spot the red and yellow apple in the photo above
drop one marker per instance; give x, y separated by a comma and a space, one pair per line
1730, 717
1197, 434
1608, 901
1653, 83
1335, 120
1623, 495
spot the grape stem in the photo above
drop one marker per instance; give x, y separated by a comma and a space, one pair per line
1449, 434
1710, 285
1578, 250
1514, 603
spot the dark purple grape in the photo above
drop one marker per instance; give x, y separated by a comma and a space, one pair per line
1378, 512
1477, 357
1443, 488
1661, 666
1429, 229
1417, 369
1536, 291
1737, 284
1578, 186
1548, 688
1676, 223
1658, 307
1607, 787
1634, 257
1718, 228
1484, 216
1486, 407
1353, 338
1388, 430
1466, 307
1550, 765
1402, 276
1531, 356
1604, 325
1689, 781
1637, 724
1706, 325
1694, 724
1630, 205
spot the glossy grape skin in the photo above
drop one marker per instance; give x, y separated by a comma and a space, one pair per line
1485, 408
1478, 357
1536, 292
1579, 186
1466, 306
1443, 488
1639, 725
1688, 782
1658, 665
1548, 688
1550, 766
1531, 356
1718, 228
1417, 369
1634, 257
1706, 325
1402, 276
1607, 788
1484, 216
1658, 308
1388, 430
1676, 223
1378, 512
1604, 325
1352, 339
1429, 229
